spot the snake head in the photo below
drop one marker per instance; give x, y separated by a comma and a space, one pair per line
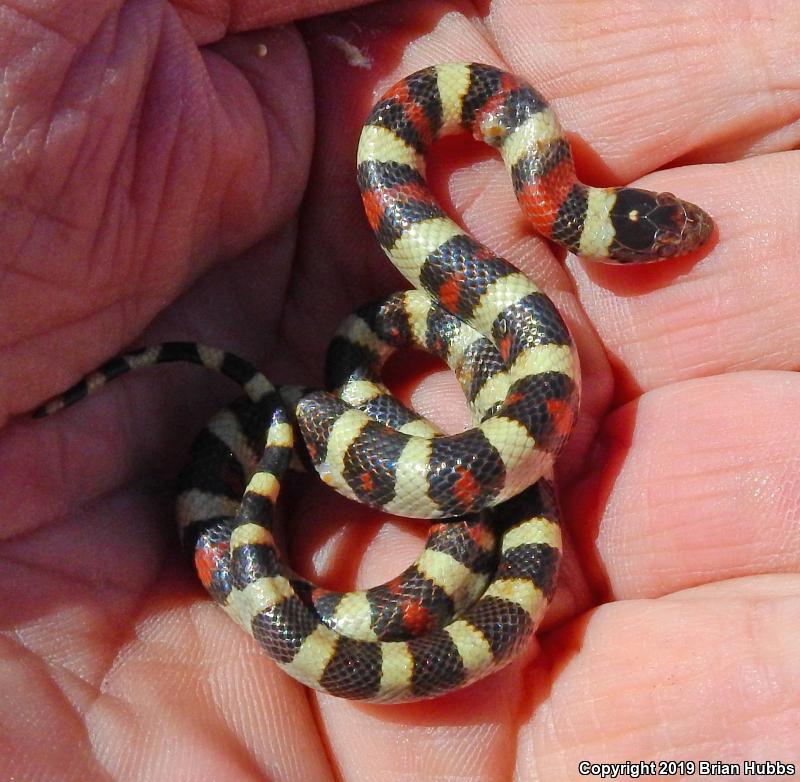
649, 226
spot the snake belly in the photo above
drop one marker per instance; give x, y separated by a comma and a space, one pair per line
472, 600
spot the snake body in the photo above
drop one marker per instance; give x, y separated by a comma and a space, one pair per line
473, 599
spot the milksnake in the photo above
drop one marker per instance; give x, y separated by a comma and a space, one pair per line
474, 597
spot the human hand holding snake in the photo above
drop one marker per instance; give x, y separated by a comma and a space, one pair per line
219, 288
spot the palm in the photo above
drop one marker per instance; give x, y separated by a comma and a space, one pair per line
111, 650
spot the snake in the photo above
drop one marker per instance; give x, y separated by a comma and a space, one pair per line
474, 597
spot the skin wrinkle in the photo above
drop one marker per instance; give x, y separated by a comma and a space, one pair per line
68, 178
93, 580
745, 469
42, 21
766, 684
757, 142
61, 105
209, 185
233, 738
200, 24
122, 206
141, 187
240, 287
324, 738
80, 488
626, 680
77, 90
282, 140
22, 715
82, 318
77, 689
614, 39
763, 52
276, 704
31, 225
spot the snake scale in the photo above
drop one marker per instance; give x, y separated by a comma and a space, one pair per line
477, 592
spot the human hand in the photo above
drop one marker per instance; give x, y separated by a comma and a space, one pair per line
677, 491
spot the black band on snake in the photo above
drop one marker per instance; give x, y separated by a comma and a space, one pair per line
474, 597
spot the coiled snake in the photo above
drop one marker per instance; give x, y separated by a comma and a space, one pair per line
474, 597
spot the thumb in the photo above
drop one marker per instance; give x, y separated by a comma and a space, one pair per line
132, 160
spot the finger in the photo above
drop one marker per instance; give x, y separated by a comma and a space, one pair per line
633, 682
734, 309
691, 484
179, 161
709, 81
